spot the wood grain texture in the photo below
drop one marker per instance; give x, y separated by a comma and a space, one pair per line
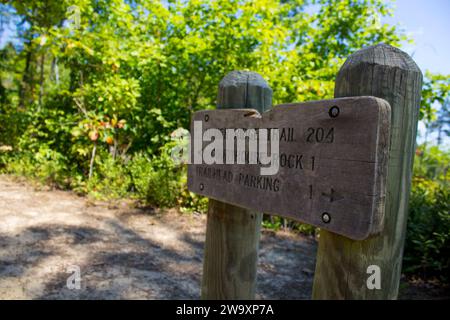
232, 233
341, 269
327, 164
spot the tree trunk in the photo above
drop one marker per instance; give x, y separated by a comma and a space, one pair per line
41, 79
91, 165
27, 77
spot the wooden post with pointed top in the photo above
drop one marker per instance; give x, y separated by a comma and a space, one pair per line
232, 233
343, 265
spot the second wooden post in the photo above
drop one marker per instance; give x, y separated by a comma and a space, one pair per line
232, 233
344, 266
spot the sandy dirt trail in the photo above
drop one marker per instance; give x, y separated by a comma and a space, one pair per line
123, 252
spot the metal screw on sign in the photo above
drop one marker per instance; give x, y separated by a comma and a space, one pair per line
334, 111
326, 217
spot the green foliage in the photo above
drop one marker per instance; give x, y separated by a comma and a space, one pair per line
153, 63
306, 229
158, 179
110, 180
117, 77
435, 89
46, 166
191, 202
272, 222
277, 223
432, 163
113, 96
427, 248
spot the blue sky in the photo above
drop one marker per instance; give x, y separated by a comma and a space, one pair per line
428, 23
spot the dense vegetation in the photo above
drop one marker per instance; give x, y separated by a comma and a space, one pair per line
91, 90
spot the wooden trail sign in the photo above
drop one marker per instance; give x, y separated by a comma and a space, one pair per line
332, 164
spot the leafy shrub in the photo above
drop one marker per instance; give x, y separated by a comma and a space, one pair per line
272, 222
427, 250
110, 180
276, 223
47, 166
21, 165
50, 166
306, 229
157, 179
191, 202
427, 247
432, 163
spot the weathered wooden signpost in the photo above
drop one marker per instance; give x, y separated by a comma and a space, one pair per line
232, 232
388, 73
323, 163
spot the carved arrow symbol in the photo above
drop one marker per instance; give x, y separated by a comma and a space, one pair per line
332, 195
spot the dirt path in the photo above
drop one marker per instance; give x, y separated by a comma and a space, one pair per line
133, 253
123, 253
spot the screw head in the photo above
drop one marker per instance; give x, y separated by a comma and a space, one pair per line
202, 186
326, 218
334, 111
